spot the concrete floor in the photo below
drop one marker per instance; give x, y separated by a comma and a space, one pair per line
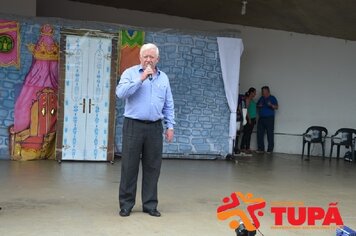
76, 198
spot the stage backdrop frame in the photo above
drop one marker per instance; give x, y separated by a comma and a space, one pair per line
98, 144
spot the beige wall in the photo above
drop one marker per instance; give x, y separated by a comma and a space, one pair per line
313, 77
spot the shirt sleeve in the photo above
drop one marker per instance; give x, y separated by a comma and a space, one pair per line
168, 109
128, 85
274, 101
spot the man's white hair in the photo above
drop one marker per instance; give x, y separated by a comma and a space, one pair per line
149, 46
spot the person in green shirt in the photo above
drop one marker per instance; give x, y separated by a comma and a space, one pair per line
251, 120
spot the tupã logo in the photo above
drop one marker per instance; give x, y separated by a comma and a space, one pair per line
287, 214
229, 209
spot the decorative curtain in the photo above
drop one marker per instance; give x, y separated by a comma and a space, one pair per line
230, 51
35, 113
130, 44
43, 73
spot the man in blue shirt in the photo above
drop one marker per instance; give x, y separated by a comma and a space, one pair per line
148, 101
267, 105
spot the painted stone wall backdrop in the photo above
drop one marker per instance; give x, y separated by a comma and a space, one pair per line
193, 66
202, 114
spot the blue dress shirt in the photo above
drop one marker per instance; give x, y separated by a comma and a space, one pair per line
148, 100
265, 110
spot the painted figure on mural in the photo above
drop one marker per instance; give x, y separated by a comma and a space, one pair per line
35, 114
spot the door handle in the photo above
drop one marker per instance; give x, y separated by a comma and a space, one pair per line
83, 104
90, 104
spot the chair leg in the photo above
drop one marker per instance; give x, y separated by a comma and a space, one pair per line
323, 148
331, 151
308, 150
338, 151
303, 149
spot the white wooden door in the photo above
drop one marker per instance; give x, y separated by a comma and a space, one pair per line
86, 98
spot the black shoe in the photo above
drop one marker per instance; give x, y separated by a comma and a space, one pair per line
152, 212
124, 212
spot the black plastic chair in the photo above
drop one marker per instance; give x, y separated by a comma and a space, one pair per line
314, 134
343, 137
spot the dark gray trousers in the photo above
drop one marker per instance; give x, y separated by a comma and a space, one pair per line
145, 142
265, 124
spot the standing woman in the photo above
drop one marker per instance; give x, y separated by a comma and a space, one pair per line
251, 120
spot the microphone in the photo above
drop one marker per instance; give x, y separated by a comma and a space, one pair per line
150, 77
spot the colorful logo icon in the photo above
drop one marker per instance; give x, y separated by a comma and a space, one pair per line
229, 210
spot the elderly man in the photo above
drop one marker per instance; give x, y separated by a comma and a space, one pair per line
148, 102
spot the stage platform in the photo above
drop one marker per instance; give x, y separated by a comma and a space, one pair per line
80, 198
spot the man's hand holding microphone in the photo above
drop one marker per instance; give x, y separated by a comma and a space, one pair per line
147, 73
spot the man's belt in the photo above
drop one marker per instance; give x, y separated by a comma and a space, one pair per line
145, 121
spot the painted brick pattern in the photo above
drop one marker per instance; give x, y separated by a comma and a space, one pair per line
202, 114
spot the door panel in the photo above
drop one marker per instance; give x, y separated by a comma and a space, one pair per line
74, 102
98, 97
86, 98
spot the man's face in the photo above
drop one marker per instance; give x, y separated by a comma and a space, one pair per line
265, 92
149, 57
